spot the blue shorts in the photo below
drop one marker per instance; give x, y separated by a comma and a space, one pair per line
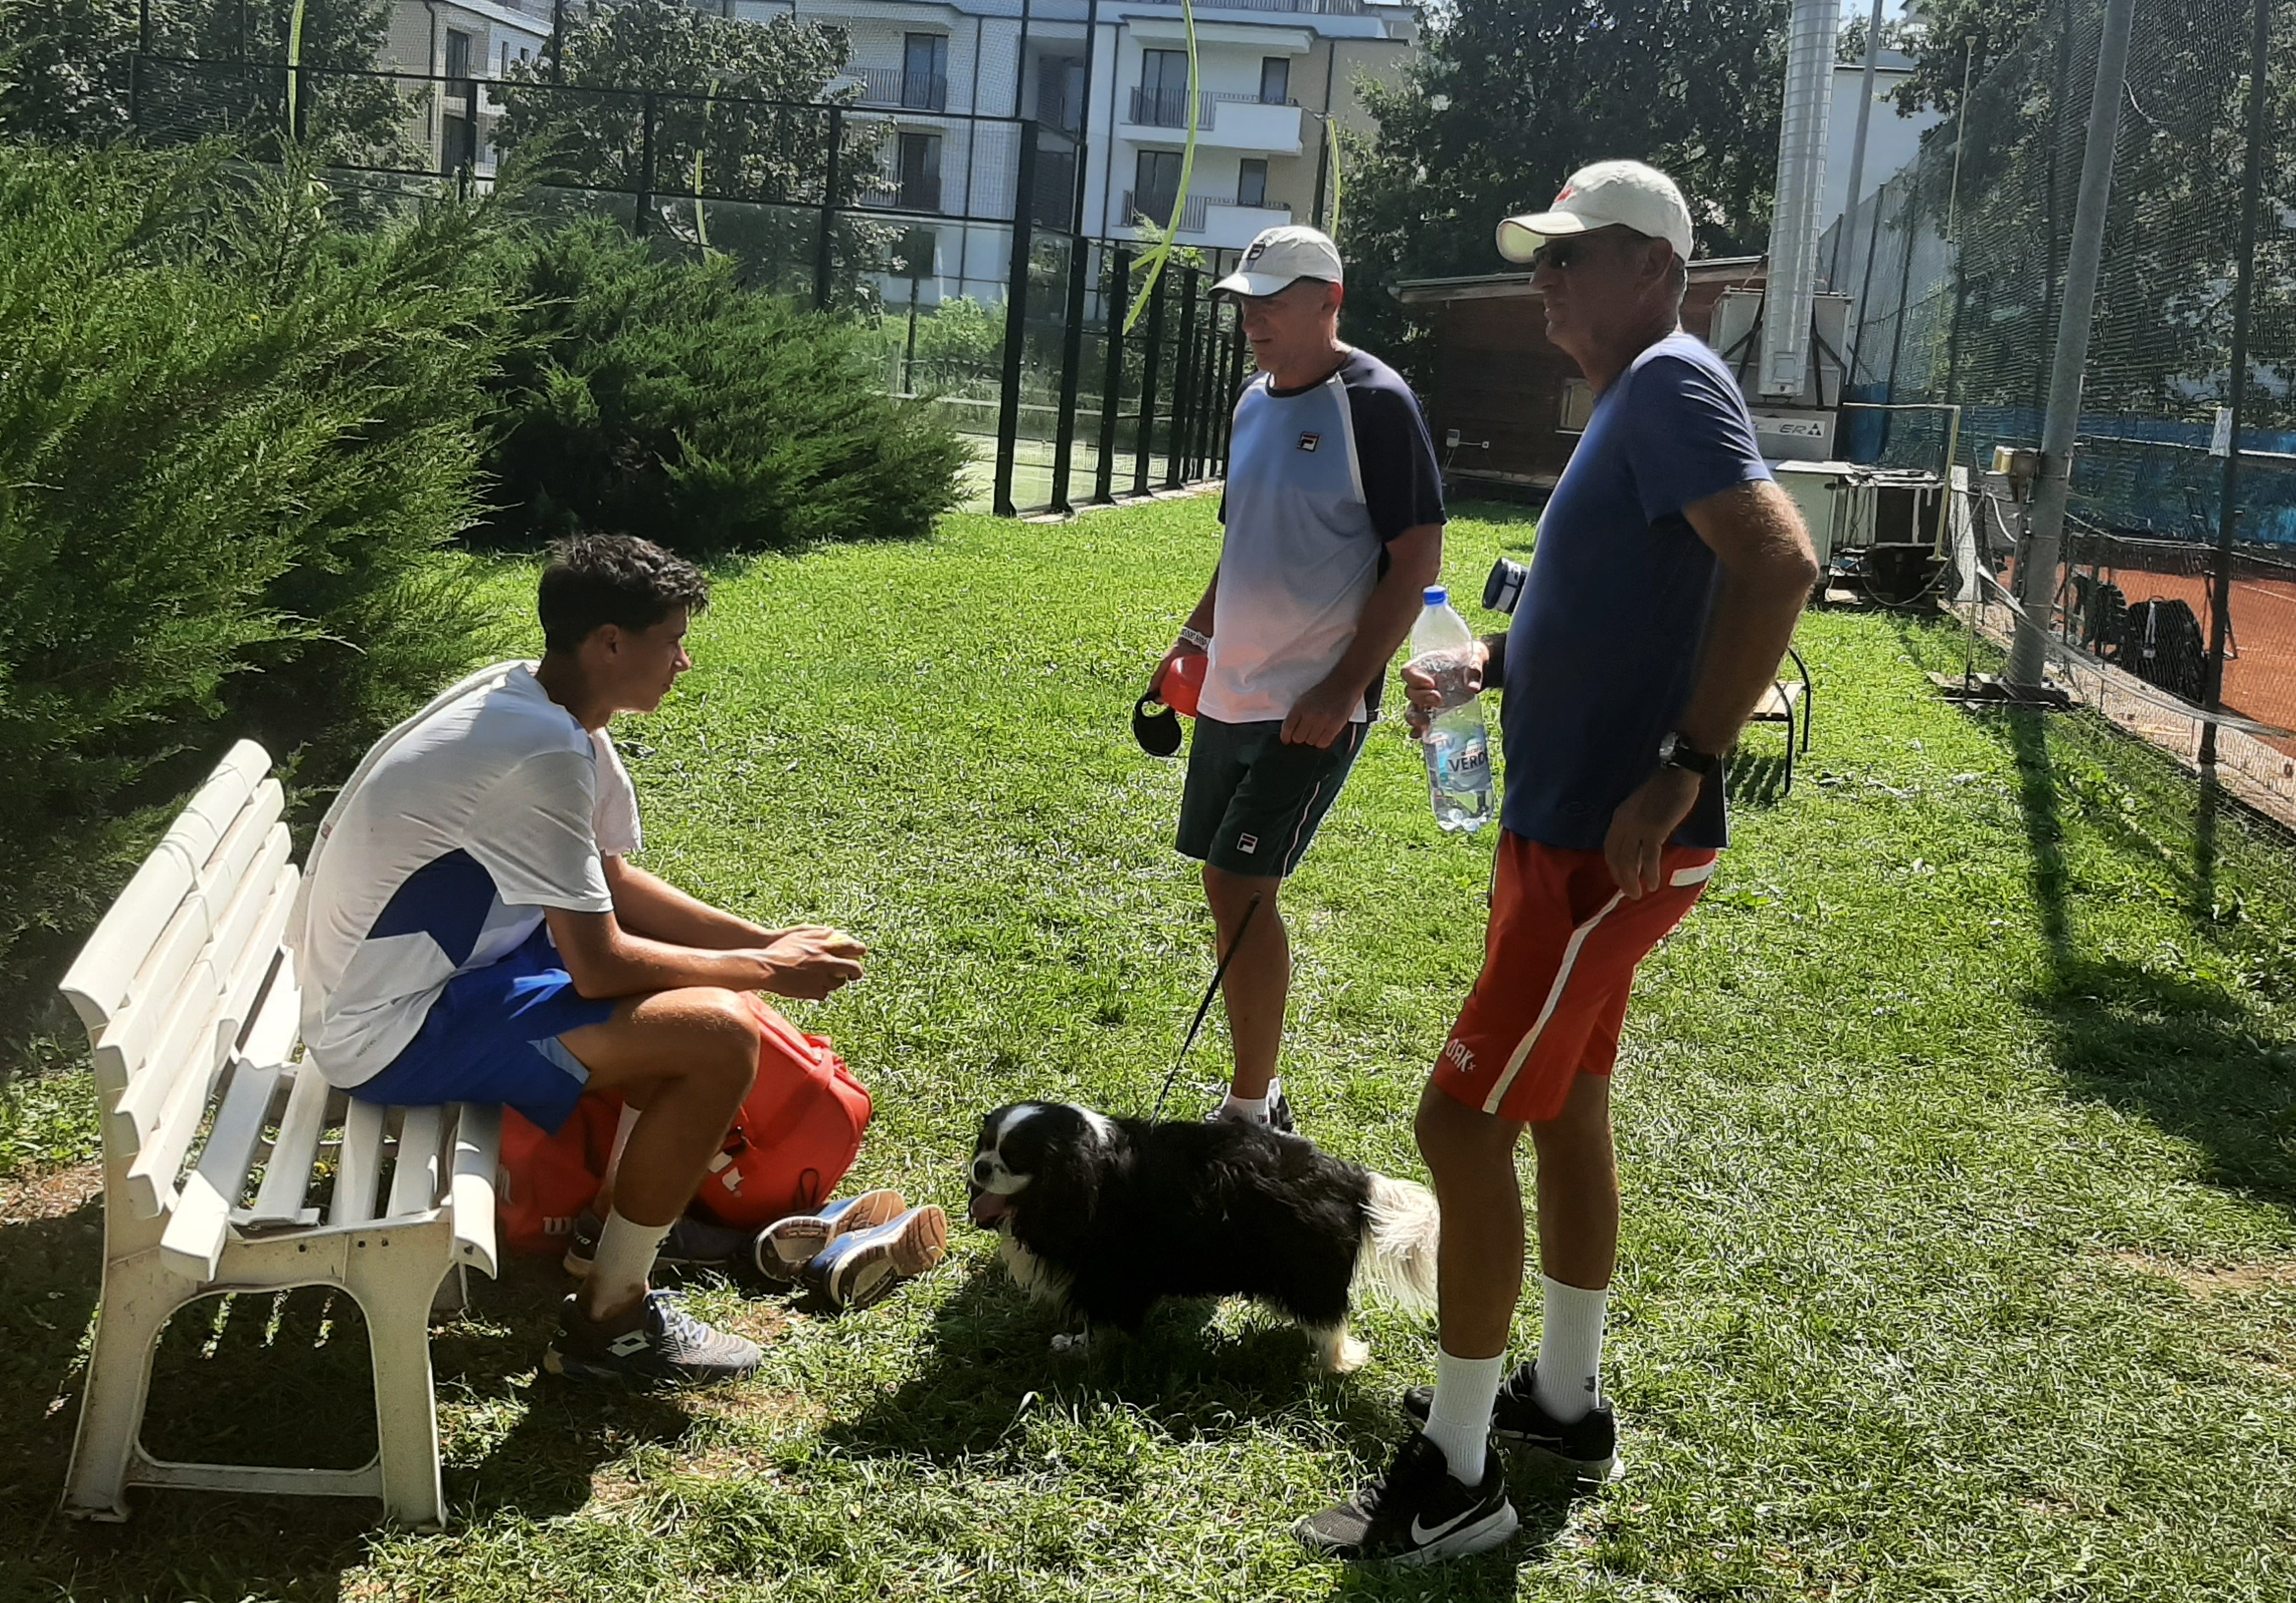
492, 1037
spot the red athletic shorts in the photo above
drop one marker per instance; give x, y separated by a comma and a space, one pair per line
1558, 961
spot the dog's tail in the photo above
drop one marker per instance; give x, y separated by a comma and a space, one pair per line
1401, 1228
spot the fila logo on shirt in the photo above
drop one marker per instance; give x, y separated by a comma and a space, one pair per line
1309, 442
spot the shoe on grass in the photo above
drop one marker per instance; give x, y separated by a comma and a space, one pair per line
862, 1267
1416, 1513
781, 1250
1279, 1115
1588, 1447
691, 1244
657, 1343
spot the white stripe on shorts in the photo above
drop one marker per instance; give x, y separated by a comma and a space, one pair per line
1522, 1054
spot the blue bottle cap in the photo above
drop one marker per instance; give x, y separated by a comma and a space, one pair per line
1437, 596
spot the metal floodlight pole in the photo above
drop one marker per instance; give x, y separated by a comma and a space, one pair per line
1858, 146
2244, 298
2037, 576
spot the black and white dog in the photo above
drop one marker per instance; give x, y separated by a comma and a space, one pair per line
1102, 1217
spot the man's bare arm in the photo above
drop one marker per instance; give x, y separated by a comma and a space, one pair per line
647, 905
1768, 570
606, 961
1415, 561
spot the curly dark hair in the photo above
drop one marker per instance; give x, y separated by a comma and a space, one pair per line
593, 579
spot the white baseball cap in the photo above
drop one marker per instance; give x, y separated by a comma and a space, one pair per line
1624, 193
1279, 258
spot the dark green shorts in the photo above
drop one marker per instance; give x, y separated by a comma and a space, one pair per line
1252, 803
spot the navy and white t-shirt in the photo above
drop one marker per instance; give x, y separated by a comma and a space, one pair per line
1319, 480
465, 823
1605, 649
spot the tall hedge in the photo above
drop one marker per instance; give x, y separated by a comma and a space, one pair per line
235, 443
660, 397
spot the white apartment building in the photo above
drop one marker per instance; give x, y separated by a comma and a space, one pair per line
467, 43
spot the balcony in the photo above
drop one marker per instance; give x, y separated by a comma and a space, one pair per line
1224, 121
908, 91
1158, 209
1312, 8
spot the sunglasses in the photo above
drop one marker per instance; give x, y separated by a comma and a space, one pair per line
1562, 255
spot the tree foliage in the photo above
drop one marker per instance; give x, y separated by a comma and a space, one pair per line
1508, 97
661, 398
233, 441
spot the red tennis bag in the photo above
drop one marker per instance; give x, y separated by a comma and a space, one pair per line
796, 1135
793, 1139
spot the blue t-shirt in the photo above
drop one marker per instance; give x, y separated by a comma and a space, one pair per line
1607, 640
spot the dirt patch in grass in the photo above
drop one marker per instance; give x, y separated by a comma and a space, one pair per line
2214, 1280
49, 1193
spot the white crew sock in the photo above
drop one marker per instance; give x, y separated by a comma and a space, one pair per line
1570, 1350
628, 1122
1459, 1421
1254, 1108
618, 1274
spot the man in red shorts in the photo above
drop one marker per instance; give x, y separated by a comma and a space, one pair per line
1668, 576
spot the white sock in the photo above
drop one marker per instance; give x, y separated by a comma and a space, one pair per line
1460, 1420
628, 1122
1570, 1350
618, 1274
1254, 1108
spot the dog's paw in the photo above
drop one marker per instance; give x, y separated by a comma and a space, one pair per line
1068, 1344
1337, 1353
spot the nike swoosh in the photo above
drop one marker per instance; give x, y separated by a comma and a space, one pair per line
1422, 1534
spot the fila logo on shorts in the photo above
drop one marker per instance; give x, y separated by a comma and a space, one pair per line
1246, 844
1309, 442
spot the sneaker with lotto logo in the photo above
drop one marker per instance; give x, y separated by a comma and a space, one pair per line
657, 1343
1416, 1513
862, 1268
1279, 1115
783, 1249
1587, 1446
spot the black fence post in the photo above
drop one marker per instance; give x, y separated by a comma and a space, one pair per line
1150, 362
822, 247
645, 164
1016, 319
1111, 386
1210, 360
1234, 386
1071, 363
136, 65
557, 41
1175, 460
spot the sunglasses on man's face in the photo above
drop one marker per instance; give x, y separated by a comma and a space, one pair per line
1562, 255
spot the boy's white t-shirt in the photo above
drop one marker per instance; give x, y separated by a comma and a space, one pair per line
459, 828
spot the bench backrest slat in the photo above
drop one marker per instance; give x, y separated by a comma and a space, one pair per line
103, 976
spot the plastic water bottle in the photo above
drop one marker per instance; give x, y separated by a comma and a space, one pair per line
1457, 745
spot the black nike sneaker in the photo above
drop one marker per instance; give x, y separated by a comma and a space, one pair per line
1588, 1447
1416, 1513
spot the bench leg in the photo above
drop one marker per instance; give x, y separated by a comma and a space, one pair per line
394, 1296
137, 1297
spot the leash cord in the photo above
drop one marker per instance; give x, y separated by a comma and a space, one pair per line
1205, 1006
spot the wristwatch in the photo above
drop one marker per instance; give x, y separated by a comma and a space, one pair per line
1677, 752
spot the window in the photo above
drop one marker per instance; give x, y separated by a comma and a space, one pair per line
925, 71
920, 172
1156, 186
458, 56
1060, 92
1276, 80
1251, 182
1577, 405
1161, 100
504, 71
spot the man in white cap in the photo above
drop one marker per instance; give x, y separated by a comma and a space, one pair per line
1335, 515
1669, 574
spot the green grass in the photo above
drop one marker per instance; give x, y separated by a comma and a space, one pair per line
1958, 1125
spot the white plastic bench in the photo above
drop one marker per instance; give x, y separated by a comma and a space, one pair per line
190, 1004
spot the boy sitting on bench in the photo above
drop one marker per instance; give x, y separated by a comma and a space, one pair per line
471, 929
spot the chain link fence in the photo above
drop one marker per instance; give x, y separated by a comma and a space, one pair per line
1957, 267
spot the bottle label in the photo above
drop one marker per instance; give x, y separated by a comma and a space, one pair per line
1464, 767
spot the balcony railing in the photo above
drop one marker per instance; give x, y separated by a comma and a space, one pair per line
1318, 8
910, 91
1169, 108
1158, 209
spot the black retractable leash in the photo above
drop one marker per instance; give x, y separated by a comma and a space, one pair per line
1205, 1006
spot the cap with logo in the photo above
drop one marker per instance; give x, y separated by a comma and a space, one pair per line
1279, 258
1609, 193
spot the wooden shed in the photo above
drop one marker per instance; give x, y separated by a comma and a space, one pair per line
1517, 403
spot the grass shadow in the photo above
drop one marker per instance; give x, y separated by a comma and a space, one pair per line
1755, 781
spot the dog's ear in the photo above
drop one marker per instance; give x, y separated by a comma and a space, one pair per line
1054, 1217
